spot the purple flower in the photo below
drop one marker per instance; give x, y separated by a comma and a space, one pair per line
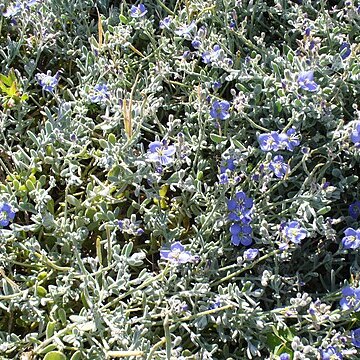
100, 93
351, 239
294, 232
251, 254
232, 24
216, 304
345, 50
293, 139
241, 204
331, 354
196, 43
243, 237
46, 81
138, 11
355, 135
216, 85
206, 57
354, 209
7, 214
355, 337
306, 81
227, 164
284, 356
223, 179
351, 298
213, 56
185, 30
220, 110
272, 141
165, 23
160, 152
12, 10
278, 166
176, 254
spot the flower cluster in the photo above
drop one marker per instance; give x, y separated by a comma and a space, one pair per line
240, 210
351, 298
7, 214
275, 141
351, 240
177, 254
226, 166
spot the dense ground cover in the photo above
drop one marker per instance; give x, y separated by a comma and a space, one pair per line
179, 179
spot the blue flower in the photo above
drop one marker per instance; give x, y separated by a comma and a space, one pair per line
243, 237
293, 139
161, 153
213, 56
12, 10
46, 81
354, 209
306, 81
227, 164
351, 298
355, 337
7, 214
331, 354
240, 207
284, 356
345, 50
232, 24
196, 43
138, 11
165, 23
177, 254
278, 166
250, 254
100, 93
272, 141
216, 85
223, 179
206, 57
355, 135
351, 239
216, 304
185, 30
220, 110
294, 232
